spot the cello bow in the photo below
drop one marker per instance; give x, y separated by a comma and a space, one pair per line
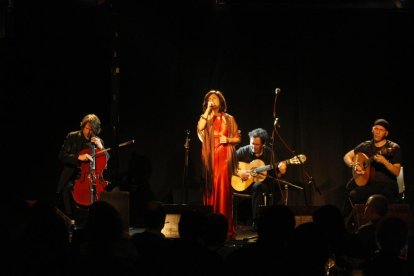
120, 145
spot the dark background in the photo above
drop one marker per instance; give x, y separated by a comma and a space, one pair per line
339, 66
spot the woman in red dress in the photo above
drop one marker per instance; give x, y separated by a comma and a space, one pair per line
219, 134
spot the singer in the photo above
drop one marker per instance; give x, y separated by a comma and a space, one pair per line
74, 143
219, 134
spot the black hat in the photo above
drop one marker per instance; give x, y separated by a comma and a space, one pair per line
382, 122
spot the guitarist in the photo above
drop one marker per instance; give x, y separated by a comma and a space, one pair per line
257, 149
382, 166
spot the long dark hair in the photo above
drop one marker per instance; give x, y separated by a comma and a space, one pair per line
94, 121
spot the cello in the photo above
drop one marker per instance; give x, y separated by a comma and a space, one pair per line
89, 185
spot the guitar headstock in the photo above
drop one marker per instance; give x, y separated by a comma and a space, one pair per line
298, 159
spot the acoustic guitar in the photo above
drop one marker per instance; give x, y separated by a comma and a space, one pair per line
258, 171
365, 162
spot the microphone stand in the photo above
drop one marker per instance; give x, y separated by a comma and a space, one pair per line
310, 181
286, 185
276, 125
185, 171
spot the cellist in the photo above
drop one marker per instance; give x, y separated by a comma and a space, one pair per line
72, 155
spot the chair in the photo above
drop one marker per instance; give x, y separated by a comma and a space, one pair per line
401, 185
267, 200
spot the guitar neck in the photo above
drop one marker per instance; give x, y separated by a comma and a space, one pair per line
262, 169
299, 159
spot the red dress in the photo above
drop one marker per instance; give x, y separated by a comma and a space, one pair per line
220, 196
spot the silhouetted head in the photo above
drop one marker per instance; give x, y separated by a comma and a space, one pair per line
275, 224
215, 229
391, 235
155, 215
378, 203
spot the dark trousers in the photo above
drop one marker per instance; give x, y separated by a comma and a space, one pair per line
360, 195
67, 199
259, 191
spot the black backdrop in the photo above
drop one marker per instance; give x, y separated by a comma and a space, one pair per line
338, 70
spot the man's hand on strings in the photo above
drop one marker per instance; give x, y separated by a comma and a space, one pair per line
380, 159
97, 142
358, 169
85, 157
244, 174
282, 167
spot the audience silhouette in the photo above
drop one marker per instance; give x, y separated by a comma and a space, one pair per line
275, 227
364, 244
106, 248
36, 241
151, 244
391, 236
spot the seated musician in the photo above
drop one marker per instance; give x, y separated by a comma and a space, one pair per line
71, 155
258, 150
375, 166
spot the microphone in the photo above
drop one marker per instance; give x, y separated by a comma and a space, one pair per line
277, 91
276, 122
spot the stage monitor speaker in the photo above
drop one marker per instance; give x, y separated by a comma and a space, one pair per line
174, 212
120, 200
302, 213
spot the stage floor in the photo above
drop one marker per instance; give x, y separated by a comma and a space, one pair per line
243, 233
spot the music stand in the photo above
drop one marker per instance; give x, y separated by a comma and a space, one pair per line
286, 185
